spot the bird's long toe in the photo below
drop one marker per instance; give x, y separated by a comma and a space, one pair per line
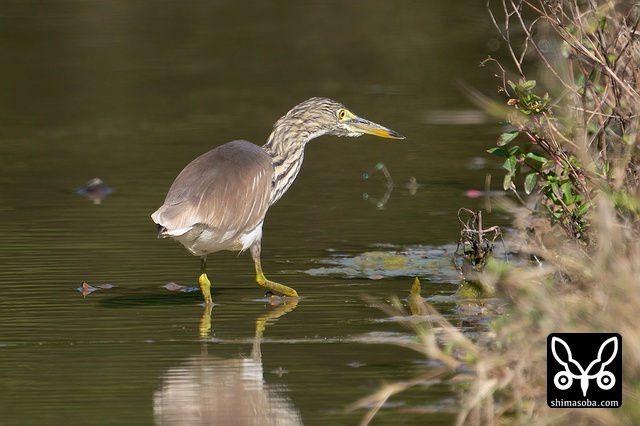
205, 287
274, 287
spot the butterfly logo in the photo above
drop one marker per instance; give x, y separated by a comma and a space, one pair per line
564, 379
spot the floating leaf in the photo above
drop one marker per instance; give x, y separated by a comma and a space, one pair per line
280, 371
95, 190
174, 287
177, 287
86, 289
356, 364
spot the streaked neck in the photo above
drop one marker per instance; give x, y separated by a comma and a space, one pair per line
286, 147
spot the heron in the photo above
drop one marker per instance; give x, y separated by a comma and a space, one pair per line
219, 201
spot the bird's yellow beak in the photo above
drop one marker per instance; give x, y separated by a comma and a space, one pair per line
360, 125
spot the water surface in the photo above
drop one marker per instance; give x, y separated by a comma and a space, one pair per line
132, 91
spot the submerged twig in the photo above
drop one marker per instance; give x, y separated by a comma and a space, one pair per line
474, 248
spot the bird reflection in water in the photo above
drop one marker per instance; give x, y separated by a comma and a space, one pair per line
208, 390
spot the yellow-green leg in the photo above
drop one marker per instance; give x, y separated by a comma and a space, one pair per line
203, 280
263, 281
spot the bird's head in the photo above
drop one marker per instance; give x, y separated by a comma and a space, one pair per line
322, 116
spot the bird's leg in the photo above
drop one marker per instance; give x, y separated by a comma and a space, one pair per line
203, 280
263, 281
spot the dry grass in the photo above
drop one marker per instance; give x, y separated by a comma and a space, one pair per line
573, 289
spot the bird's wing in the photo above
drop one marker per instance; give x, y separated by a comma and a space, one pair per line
227, 188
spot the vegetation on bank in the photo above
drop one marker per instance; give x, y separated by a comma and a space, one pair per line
571, 106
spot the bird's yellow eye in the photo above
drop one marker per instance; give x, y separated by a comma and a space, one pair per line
342, 114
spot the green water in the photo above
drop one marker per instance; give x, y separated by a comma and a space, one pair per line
132, 91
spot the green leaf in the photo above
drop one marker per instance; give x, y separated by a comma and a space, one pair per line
510, 164
555, 195
527, 85
536, 157
498, 151
582, 209
567, 194
530, 183
507, 137
513, 150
